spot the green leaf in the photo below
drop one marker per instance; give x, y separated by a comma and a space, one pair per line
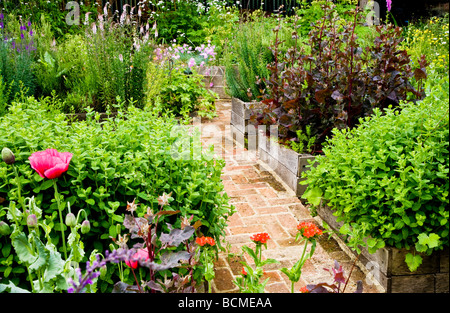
313, 195
23, 249
345, 229
406, 219
12, 288
46, 184
112, 231
413, 261
90, 201
250, 252
55, 266
43, 255
432, 240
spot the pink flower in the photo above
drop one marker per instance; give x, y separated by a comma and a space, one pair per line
141, 254
50, 163
389, 5
191, 62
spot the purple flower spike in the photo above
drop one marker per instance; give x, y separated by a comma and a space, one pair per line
389, 5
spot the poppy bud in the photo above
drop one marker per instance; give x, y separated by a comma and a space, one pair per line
85, 227
8, 156
4, 229
32, 220
71, 220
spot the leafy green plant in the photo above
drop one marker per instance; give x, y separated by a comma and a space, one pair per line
250, 279
246, 60
305, 141
138, 155
46, 268
184, 93
387, 179
4, 96
180, 21
119, 53
308, 232
17, 53
53, 11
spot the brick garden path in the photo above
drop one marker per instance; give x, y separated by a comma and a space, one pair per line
265, 204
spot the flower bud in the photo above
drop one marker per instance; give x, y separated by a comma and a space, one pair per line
71, 220
4, 229
85, 227
8, 156
32, 220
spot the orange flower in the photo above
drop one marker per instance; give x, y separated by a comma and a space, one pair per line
243, 271
308, 229
205, 240
260, 238
304, 289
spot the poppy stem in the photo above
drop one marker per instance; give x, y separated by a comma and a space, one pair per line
135, 278
60, 218
19, 195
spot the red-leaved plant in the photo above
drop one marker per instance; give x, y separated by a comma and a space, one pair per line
338, 81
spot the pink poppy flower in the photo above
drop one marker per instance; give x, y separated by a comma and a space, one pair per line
141, 254
50, 163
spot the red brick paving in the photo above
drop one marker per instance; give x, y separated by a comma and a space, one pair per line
265, 204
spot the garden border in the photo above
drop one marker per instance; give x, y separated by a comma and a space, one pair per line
287, 163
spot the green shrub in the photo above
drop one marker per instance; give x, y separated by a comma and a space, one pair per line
246, 60
134, 156
17, 54
387, 179
184, 93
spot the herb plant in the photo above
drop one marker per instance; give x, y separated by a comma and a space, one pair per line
387, 179
139, 155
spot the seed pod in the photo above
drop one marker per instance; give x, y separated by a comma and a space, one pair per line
5, 230
8, 156
71, 220
85, 227
32, 220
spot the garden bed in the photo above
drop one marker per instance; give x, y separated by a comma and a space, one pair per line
241, 130
287, 163
390, 270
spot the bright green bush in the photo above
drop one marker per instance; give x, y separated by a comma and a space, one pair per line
246, 60
387, 179
184, 93
134, 156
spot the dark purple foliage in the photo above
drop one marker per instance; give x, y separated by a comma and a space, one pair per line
338, 81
